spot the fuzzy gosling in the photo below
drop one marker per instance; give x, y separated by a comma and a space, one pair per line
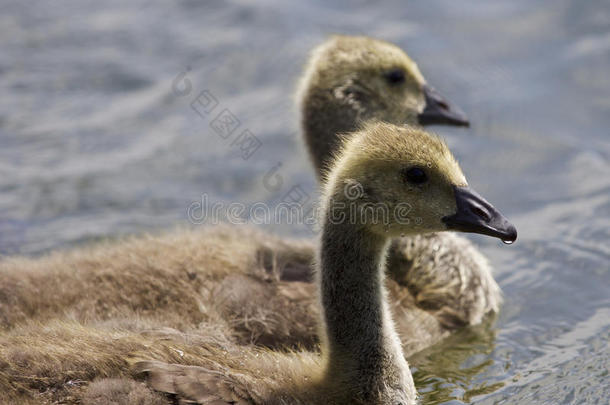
361, 359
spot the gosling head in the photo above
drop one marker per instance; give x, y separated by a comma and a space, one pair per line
349, 80
402, 180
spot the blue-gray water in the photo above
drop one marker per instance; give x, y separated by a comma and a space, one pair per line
96, 141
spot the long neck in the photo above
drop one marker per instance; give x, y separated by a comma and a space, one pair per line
360, 344
322, 118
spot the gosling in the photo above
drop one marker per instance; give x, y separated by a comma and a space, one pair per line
361, 360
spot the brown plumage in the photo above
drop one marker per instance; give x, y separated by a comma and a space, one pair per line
241, 270
236, 269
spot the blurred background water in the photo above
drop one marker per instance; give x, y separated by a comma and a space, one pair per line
97, 141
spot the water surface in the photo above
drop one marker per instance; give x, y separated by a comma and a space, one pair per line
97, 141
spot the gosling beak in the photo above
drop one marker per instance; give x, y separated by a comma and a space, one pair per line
439, 111
474, 214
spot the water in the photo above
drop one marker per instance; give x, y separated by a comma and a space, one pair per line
98, 138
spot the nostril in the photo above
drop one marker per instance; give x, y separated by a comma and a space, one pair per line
481, 213
443, 105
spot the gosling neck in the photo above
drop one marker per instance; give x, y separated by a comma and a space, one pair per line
322, 118
360, 344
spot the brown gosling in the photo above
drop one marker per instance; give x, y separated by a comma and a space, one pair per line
361, 361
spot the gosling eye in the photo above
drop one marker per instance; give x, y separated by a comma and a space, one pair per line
395, 76
415, 175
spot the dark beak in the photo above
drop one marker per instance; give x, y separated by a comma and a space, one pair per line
439, 111
474, 214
